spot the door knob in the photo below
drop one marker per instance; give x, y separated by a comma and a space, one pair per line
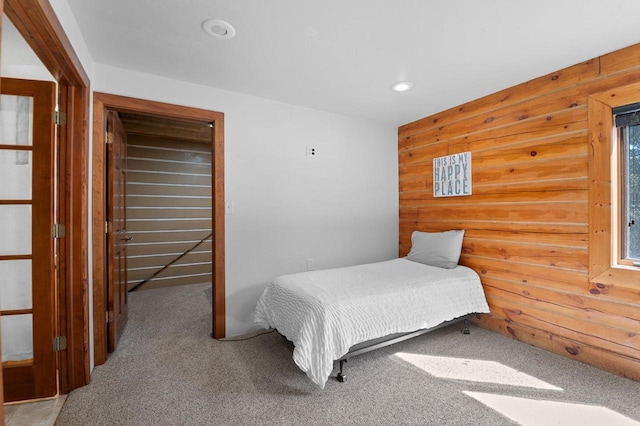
127, 238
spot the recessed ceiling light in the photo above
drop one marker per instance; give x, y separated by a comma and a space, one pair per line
218, 29
402, 86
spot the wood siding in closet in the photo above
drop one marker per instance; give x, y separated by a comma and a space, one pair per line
168, 211
527, 222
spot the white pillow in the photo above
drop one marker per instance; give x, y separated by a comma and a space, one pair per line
441, 249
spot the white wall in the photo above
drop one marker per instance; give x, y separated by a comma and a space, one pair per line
71, 29
338, 208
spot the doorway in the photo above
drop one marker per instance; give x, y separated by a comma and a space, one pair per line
129, 106
168, 201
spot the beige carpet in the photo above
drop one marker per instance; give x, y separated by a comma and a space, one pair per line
168, 371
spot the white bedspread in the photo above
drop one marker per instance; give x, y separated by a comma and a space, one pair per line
326, 312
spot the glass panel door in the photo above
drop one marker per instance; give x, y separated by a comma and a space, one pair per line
27, 279
16, 171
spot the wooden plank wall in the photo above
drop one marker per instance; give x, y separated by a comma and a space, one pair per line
527, 222
168, 211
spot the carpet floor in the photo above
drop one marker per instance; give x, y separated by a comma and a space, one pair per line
168, 371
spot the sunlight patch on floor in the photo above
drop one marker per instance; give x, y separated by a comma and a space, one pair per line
473, 370
533, 412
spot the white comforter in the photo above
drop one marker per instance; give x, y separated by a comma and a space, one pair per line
326, 312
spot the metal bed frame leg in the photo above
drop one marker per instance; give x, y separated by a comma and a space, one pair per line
466, 330
341, 376
379, 343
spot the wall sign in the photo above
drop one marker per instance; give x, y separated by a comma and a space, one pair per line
452, 175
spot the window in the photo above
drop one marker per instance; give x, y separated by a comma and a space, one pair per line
612, 270
627, 121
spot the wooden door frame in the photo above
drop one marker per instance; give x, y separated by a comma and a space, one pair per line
38, 24
101, 103
1, 379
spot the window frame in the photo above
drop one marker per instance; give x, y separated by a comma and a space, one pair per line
605, 266
622, 146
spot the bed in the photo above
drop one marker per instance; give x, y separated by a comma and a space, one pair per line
332, 314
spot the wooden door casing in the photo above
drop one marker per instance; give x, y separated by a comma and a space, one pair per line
1, 376
117, 229
38, 24
101, 103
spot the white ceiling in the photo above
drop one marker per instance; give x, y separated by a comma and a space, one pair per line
343, 55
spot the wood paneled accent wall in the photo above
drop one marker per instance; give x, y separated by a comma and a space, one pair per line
168, 211
527, 222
